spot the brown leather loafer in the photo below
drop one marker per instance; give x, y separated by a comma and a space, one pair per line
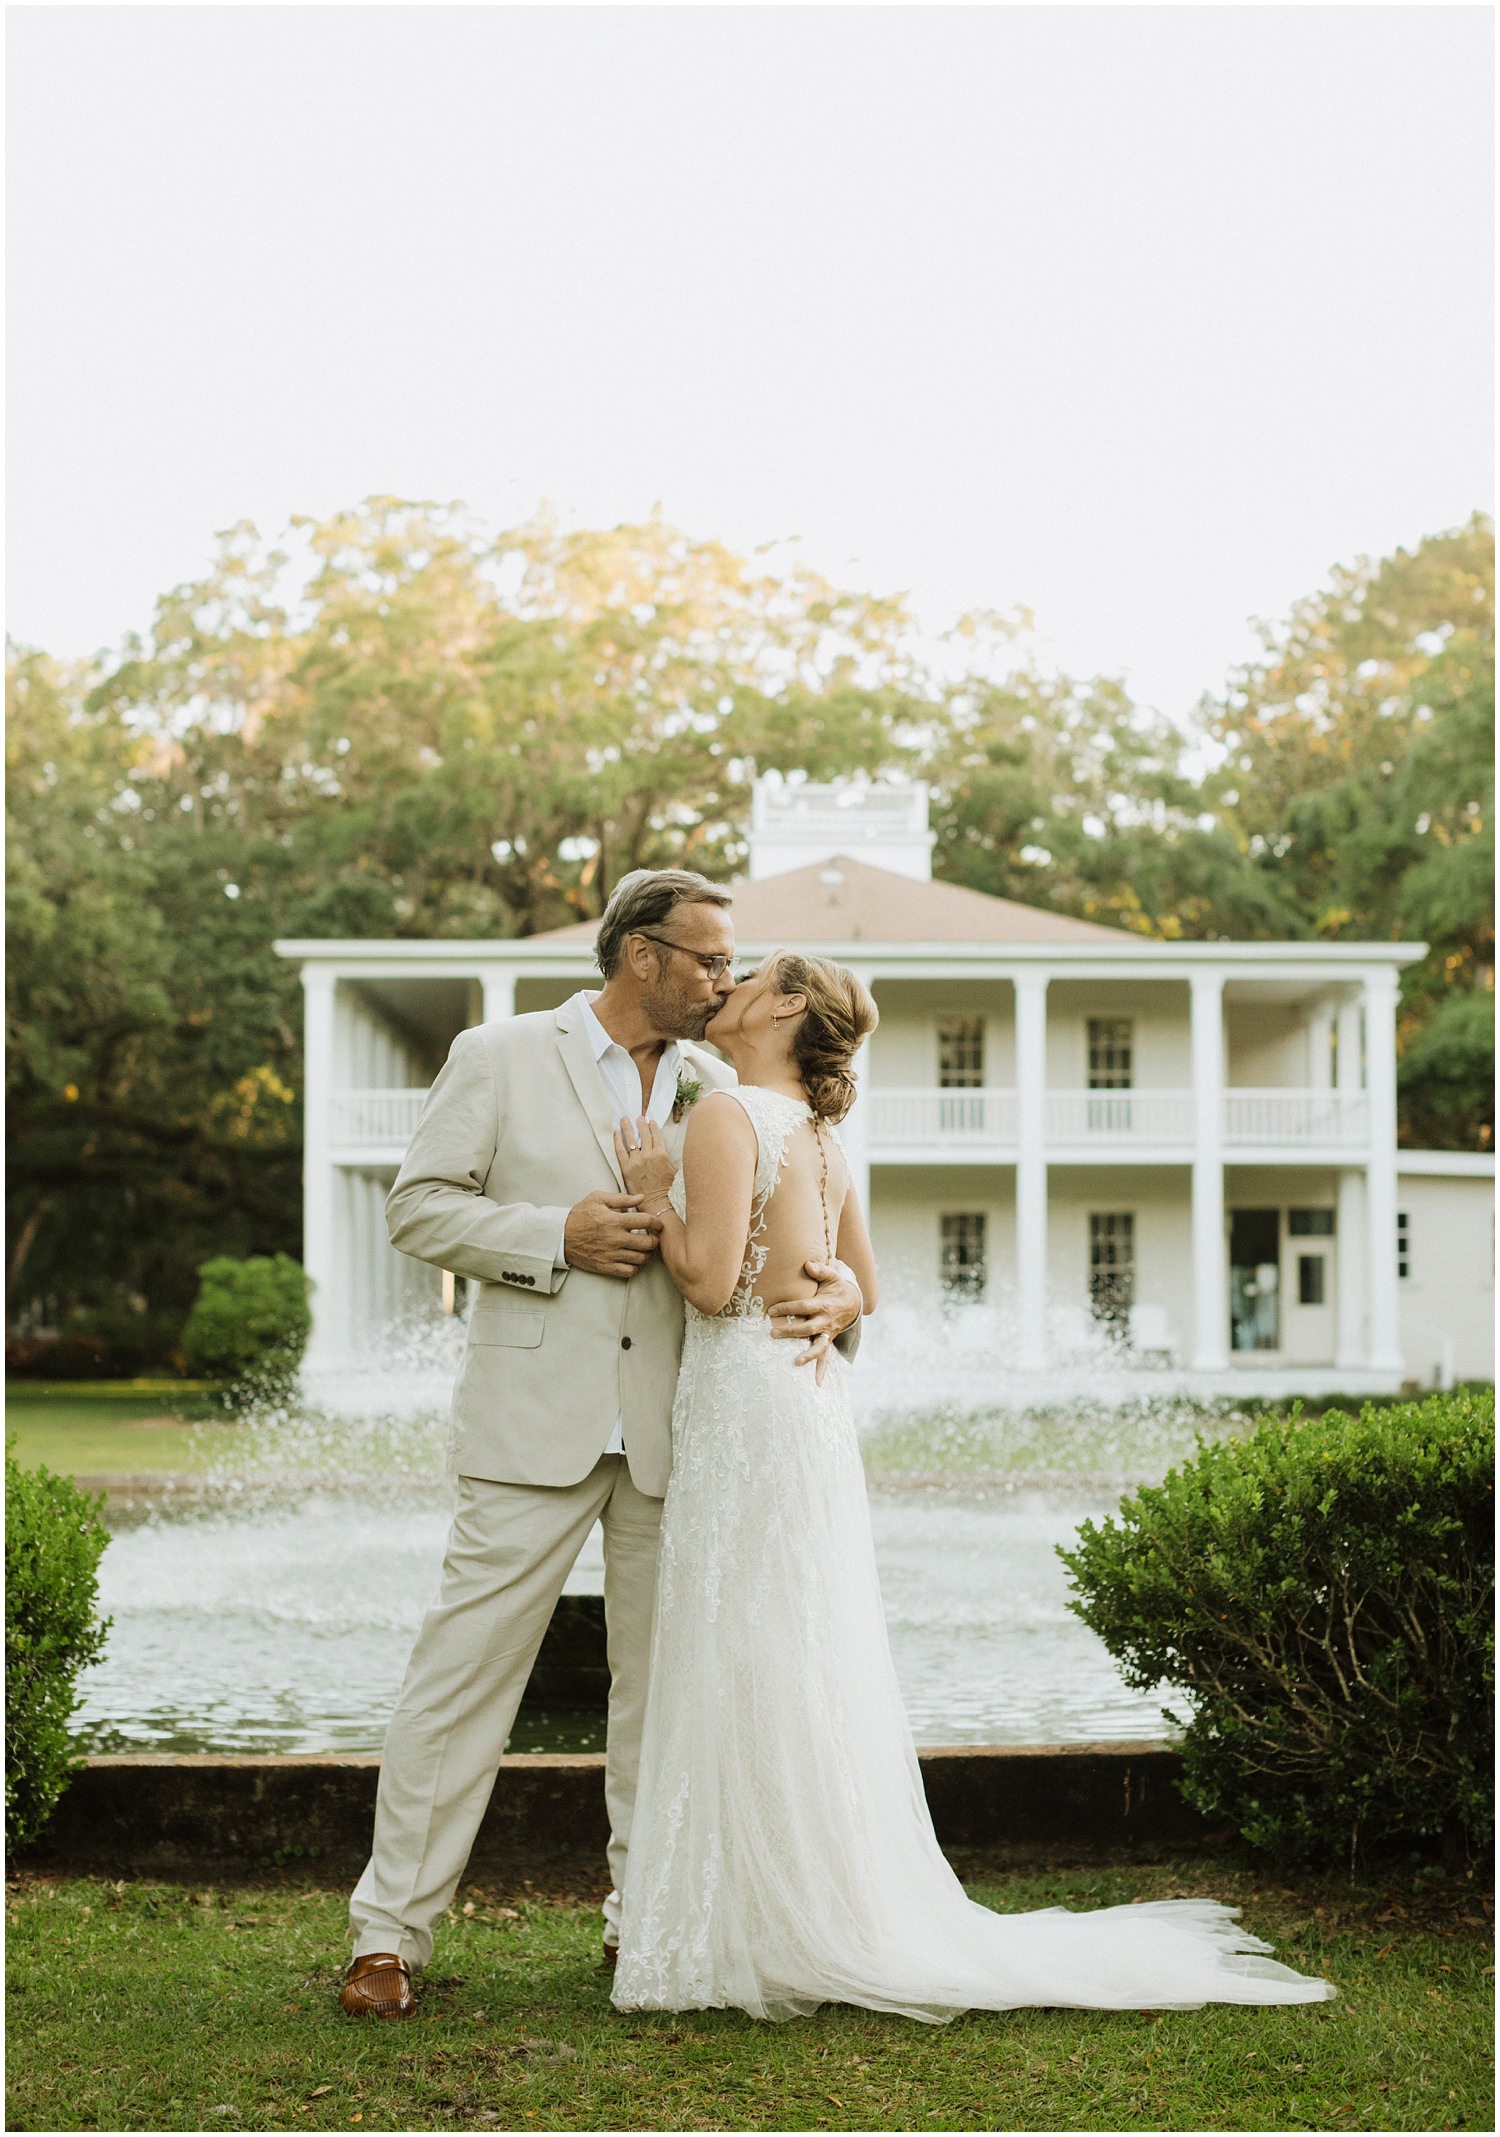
611, 1955
378, 1985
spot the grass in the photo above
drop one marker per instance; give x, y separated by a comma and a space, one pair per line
145, 1386
79, 1431
143, 2006
85, 1429
1084, 1444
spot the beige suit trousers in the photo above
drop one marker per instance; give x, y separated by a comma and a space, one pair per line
510, 1550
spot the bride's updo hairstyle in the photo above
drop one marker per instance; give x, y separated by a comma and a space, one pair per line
840, 1016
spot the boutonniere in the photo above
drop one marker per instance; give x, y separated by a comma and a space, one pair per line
689, 1091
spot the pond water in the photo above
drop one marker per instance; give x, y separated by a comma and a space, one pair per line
286, 1627
272, 1607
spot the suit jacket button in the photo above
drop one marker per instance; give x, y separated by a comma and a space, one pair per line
624, 1342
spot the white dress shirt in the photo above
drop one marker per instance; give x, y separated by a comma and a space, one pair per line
622, 1085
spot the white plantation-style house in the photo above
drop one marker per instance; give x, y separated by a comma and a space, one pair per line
1178, 1156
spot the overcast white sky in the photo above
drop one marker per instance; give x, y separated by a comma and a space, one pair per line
1143, 317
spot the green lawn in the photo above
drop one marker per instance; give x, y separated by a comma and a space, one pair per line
154, 2007
81, 1432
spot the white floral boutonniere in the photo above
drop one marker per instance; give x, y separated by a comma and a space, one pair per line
689, 1091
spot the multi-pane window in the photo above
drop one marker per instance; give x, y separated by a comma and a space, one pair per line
960, 1053
1255, 1279
1111, 1046
1309, 1223
963, 1270
1403, 1243
1111, 1264
1312, 1269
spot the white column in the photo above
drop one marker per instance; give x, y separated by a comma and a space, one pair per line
1210, 1268
499, 995
321, 1248
1380, 1192
358, 1272
1350, 1257
854, 1128
1031, 1169
1320, 1045
1351, 1044
852, 1133
1350, 1320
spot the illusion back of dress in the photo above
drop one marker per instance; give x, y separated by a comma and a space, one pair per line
801, 1178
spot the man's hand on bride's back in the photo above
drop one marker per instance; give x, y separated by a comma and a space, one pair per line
815, 1321
608, 1235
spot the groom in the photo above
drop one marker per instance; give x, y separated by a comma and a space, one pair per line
562, 1411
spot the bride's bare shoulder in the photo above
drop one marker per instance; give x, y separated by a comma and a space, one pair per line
719, 1117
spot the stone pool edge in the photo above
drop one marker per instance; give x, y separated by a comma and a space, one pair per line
159, 1814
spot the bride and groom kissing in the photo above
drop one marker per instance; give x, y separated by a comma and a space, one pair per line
672, 1270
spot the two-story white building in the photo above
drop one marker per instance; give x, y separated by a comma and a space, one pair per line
1174, 1156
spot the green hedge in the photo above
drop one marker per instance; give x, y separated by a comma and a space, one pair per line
54, 1540
95, 1343
250, 1320
1323, 1593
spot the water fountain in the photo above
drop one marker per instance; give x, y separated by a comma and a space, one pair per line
245, 1621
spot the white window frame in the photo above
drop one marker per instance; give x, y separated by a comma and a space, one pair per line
1106, 1040
963, 1255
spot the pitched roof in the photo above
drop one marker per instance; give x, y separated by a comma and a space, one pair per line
842, 900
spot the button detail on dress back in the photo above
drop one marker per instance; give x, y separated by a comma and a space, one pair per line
624, 1342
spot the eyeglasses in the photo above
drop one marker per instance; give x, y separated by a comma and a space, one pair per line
715, 967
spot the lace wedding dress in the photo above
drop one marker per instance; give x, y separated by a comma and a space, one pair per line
782, 1855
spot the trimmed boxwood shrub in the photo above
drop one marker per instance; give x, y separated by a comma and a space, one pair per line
250, 1319
54, 1540
1322, 1591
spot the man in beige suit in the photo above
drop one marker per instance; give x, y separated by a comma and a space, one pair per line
562, 1411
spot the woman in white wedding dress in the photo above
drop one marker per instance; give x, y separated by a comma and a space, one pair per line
782, 1855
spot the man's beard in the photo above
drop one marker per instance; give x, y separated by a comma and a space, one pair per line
679, 1015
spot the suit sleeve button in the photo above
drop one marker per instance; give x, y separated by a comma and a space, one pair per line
624, 1342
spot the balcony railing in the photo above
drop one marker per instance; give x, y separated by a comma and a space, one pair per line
1143, 1120
953, 1120
369, 1120
1338, 1119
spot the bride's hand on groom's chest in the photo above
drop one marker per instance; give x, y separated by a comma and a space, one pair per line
646, 1164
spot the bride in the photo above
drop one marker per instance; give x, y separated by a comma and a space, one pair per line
782, 1855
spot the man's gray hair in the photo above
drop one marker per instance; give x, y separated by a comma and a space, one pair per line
644, 901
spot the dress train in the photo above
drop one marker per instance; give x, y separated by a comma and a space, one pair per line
782, 1855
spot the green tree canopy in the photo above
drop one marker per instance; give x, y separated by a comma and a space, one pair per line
402, 725
1358, 778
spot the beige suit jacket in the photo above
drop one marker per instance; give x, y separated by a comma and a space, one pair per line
515, 1130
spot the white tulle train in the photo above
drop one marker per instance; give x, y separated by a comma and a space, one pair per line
782, 1854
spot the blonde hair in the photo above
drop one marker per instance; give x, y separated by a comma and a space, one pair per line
840, 1016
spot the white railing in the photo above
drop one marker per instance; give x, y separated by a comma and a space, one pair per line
1111, 1118
948, 1119
958, 1120
1337, 1118
375, 1119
